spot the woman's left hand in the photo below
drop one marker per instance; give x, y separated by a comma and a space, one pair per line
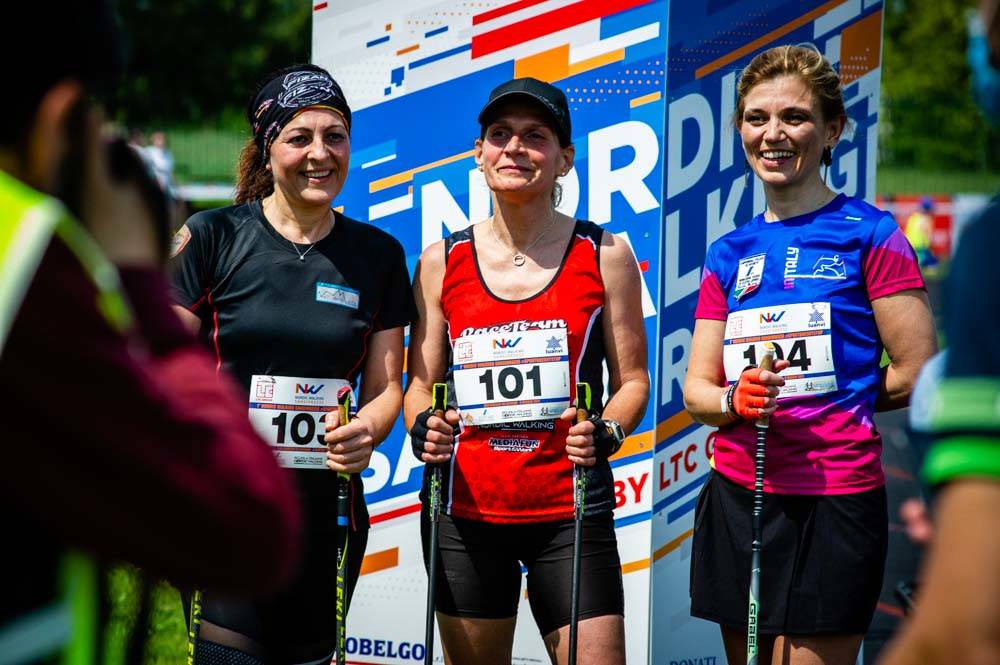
580, 446
349, 447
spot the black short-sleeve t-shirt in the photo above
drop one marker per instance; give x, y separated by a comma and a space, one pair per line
265, 311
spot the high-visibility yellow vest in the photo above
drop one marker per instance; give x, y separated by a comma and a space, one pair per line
28, 222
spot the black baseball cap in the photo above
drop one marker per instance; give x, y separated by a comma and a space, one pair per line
548, 96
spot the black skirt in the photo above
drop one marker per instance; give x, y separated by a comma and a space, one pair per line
822, 559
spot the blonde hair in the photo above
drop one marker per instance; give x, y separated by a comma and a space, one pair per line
808, 64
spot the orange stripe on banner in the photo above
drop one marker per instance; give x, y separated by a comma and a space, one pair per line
672, 545
376, 561
635, 444
406, 176
339, 209
549, 66
408, 49
733, 56
645, 99
860, 48
673, 424
633, 566
597, 61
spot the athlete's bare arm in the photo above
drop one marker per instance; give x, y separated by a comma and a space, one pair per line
428, 352
906, 327
350, 446
958, 609
188, 318
625, 348
624, 333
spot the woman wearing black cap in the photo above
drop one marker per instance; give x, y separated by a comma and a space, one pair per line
282, 288
514, 311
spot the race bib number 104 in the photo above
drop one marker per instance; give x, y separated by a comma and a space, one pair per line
801, 335
288, 413
508, 377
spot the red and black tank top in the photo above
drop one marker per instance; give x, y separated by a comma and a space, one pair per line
514, 366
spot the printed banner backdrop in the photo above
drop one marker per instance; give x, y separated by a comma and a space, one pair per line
706, 193
657, 162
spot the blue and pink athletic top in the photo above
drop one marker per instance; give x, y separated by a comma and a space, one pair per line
806, 284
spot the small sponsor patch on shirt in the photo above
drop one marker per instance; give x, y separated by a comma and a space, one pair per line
335, 294
180, 241
748, 275
514, 445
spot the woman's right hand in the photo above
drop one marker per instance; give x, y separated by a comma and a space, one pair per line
432, 438
755, 394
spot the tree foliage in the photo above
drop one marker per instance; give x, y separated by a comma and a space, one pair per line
196, 63
929, 119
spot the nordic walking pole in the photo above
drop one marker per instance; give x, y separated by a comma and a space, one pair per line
757, 528
439, 401
579, 495
343, 512
194, 625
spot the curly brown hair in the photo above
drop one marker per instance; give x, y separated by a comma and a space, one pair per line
253, 180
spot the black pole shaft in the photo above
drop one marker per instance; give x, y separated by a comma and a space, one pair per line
435, 506
574, 610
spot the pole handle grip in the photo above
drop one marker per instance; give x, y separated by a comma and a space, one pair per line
766, 362
582, 401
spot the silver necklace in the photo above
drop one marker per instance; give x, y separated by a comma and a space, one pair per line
302, 255
518, 258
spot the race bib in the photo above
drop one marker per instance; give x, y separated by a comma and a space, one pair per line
288, 414
508, 377
800, 333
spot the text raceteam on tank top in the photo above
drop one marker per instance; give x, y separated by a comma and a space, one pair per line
514, 365
806, 284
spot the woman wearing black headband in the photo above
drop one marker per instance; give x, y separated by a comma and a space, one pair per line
283, 289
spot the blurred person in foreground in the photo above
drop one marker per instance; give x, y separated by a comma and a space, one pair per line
957, 616
120, 439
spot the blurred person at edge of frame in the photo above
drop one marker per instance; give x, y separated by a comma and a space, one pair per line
121, 441
957, 613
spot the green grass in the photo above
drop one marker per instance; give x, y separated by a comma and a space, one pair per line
166, 643
205, 155
897, 180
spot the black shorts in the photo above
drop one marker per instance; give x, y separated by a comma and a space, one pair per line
822, 559
295, 625
479, 569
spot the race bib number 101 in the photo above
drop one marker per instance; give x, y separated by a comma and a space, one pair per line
510, 377
801, 335
288, 413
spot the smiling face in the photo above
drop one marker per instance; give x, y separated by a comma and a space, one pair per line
520, 153
310, 157
784, 132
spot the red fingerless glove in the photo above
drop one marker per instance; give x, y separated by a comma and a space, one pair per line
746, 396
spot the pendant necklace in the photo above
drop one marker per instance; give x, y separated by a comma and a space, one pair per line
518, 259
302, 255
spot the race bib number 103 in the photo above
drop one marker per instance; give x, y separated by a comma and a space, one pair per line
288, 413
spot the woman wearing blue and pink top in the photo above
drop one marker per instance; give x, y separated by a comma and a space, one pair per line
832, 282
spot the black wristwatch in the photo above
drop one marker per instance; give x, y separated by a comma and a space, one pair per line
617, 432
